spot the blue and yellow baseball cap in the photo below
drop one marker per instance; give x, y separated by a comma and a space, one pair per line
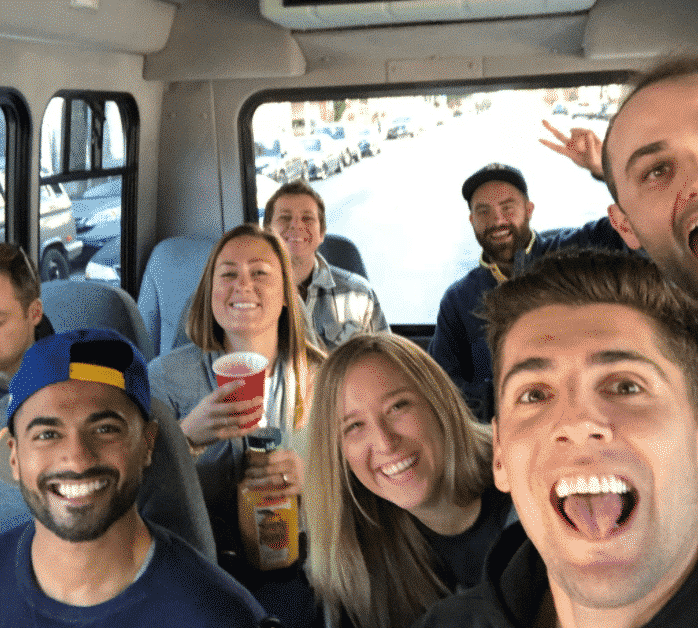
93, 355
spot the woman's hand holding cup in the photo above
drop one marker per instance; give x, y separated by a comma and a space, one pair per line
216, 418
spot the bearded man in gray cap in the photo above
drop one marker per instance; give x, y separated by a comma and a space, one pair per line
500, 213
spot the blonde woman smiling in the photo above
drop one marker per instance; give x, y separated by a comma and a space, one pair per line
400, 496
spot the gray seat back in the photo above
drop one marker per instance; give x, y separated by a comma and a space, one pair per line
171, 276
85, 304
181, 337
171, 493
342, 252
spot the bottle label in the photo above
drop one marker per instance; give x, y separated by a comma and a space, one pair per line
272, 518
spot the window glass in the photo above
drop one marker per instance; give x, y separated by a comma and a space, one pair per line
81, 216
52, 137
59, 243
80, 133
395, 165
114, 154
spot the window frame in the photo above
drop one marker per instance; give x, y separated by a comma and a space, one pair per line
128, 109
17, 166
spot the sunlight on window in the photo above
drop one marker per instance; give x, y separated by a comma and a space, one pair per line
396, 165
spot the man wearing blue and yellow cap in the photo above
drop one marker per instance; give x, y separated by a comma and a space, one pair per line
80, 440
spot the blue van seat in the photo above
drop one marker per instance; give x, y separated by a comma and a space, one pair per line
86, 304
171, 276
181, 337
342, 252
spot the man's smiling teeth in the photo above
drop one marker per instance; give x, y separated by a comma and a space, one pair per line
500, 233
592, 485
398, 467
75, 491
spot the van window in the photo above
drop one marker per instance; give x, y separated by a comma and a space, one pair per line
83, 173
396, 164
15, 143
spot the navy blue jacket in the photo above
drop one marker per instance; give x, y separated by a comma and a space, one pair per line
459, 344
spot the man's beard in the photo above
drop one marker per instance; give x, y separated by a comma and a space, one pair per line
504, 251
83, 523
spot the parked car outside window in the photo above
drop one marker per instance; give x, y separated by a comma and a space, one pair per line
323, 155
280, 159
347, 138
401, 127
59, 241
370, 142
98, 213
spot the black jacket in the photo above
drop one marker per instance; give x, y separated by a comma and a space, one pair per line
512, 588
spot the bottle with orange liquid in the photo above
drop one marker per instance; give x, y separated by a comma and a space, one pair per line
268, 523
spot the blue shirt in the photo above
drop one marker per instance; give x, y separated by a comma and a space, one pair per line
177, 588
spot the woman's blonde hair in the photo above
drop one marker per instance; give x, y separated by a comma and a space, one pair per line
205, 332
366, 555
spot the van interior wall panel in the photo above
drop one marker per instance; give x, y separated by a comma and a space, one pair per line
239, 44
520, 37
111, 26
189, 198
40, 70
227, 110
554, 64
244, 47
625, 28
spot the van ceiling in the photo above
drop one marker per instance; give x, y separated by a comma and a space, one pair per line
322, 14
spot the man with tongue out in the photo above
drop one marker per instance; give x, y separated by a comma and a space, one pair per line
500, 213
596, 439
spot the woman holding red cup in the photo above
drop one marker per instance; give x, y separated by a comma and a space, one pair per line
246, 301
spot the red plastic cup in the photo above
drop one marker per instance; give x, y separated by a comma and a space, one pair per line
248, 368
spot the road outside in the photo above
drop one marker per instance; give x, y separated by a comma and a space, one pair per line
404, 209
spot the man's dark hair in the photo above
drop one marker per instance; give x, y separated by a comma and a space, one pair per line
296, 188
15, 263
575, 278
668, 68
